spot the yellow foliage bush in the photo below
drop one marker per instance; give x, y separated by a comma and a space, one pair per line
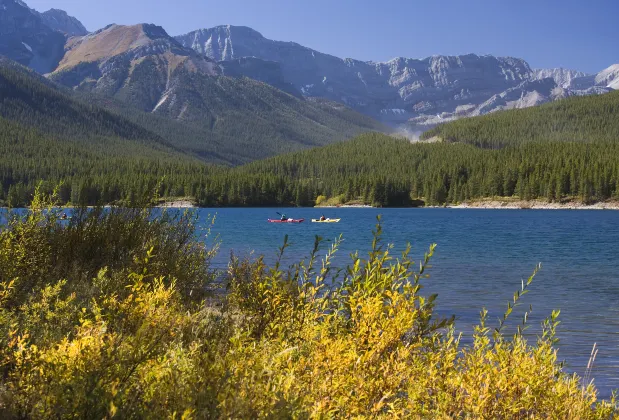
294, 343
321, 199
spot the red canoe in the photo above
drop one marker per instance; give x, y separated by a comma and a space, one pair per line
285, 221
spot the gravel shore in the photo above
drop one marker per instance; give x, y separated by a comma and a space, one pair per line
537, 205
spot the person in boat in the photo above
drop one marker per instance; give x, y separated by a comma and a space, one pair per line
284, 218
323, 218
64, 216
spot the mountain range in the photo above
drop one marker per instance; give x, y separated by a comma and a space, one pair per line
230, 82
147, 76
415, 92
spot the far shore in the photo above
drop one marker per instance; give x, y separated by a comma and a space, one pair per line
178, 204
535, 205
498, 204
489, 204
348, 206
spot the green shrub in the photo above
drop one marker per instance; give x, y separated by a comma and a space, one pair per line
42, 246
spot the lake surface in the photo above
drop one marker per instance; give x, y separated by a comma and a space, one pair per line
481, 258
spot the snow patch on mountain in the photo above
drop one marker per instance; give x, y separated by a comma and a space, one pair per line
393, 111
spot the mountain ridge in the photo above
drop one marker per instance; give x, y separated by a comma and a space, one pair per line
144, 67
413, 92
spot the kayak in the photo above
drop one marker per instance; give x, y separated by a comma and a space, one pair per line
325, 221
285, 221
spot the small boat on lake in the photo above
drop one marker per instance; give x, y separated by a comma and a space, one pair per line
285, 221
326, 221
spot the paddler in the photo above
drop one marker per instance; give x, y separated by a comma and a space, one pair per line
323, 218
284, 218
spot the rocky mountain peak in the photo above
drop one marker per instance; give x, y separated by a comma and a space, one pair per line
135, 41
25, 38
61, 21
227, 42
140, 64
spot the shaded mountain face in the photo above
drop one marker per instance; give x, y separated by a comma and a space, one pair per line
416, 92
25, 38
60, 21
269, 72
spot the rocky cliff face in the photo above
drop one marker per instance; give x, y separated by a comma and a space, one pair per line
562, 77
414, 91
396, 90
60, 21
25, 38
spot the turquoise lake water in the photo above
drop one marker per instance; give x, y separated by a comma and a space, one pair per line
481, 257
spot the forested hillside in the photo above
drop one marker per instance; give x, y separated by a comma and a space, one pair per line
589, 118
373, 169
236, 121
109, 170
32, 101
380, 170
45, 135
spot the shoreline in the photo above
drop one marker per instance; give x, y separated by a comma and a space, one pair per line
485, 204
507, 205
346, 206
177, 204
534, 205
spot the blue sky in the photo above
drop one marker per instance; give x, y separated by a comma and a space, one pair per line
583, 35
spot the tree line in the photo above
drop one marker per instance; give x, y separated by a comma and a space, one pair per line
588, 119
373, 169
